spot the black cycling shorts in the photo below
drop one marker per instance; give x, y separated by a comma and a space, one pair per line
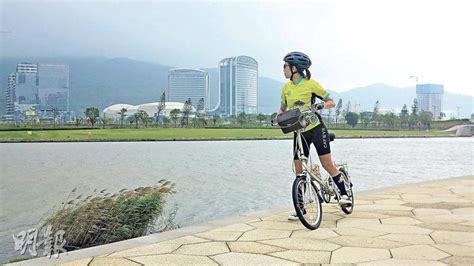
319, 136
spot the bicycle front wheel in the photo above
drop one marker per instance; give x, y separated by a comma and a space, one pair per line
307, 203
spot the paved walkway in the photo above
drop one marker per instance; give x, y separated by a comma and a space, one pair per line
430, 223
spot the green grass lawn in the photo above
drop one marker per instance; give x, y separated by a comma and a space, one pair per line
144, 134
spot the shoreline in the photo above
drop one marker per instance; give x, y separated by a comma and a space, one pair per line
219, 139
119, 249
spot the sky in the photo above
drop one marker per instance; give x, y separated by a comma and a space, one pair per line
351, 43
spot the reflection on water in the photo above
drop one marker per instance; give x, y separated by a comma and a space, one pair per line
213, 179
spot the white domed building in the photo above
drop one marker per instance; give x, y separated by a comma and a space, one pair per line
150, 108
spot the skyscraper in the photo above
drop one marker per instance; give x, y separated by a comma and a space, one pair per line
53, 87
238, 85
430, 98
26, 87
10, 95
185, 83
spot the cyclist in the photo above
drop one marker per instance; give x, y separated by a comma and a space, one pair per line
300, 92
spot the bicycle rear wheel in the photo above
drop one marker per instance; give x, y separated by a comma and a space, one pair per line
307, 203
347, 209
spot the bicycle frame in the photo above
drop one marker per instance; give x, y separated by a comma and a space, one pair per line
307, 169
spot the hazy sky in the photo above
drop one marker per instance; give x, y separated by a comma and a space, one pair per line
351, 43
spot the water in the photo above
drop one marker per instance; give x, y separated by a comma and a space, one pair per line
213, 179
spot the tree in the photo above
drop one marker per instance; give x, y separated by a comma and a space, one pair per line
78, 120
338, 109
200, 112
365, 118
174, 116
442, 115
404, 116
187, 107
105, 120
352, 118
143, 116
404, 111
55, 112
242, 118
425, 119
122, 113
92, 114
261, 117
414, 108
161, 106
215, 119
136, 117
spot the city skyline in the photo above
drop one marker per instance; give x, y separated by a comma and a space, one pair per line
351, 44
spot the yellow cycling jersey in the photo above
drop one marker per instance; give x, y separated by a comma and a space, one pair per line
299, 95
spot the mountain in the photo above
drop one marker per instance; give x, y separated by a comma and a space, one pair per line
100, 82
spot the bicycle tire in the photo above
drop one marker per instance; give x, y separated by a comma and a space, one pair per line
350, 192
297, 202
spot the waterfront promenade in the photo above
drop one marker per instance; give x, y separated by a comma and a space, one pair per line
429, 223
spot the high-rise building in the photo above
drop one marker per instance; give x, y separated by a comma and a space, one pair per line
53, 87
184, 83
10, 95
430, 98
238, 85
26, 88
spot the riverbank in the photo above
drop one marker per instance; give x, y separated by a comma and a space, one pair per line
191, 134
428, 223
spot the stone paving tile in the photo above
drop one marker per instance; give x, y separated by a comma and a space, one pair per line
203, 249
470, 223
389, 202
250, 259
356, 255
410, 239
304, 256
463, 211
448, 227
327, 224
278, 225
402, 262
252, 247
220, 236
392, 213
302, 244
112, 261
368, 215
235, 228
428, 212
264, 234
390, 207
83, 262
457, 260
451, 237
172, 259
418, 252
389, 195
441, 219
357, 222
457, 250
159, 248
361, 202
400, 220
400, 229
365, 242
358, 232
320, 233
470, 244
